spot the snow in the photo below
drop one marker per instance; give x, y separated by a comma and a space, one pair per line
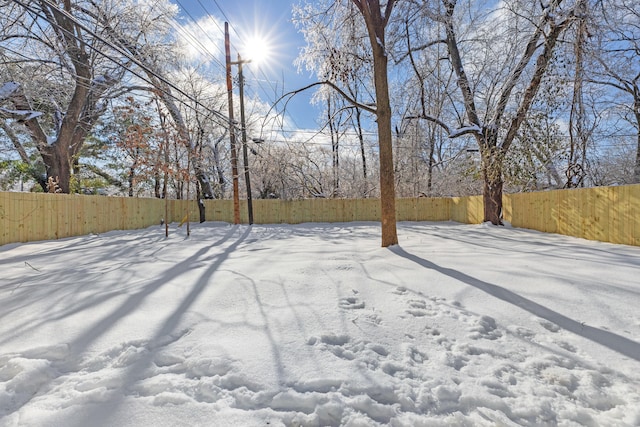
465, 130
100, 80
316, 324
24, 115
8, 89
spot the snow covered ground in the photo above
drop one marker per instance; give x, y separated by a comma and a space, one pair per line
315, 324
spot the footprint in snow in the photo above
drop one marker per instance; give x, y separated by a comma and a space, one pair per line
421, 304
485, 327
419, 308
549, 326
414, 355
400, 290
351, 303
522, 332
567, 346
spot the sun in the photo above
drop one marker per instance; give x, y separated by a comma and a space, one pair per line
256, 49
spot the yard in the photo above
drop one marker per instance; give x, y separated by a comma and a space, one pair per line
316, 324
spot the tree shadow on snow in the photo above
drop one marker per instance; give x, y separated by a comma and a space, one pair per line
93, 332
608, 339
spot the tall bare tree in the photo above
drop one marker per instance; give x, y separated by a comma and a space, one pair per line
152, 61
427, 93
521, 76
616, 47
376, 16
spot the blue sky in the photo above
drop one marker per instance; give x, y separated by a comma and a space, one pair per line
265, 19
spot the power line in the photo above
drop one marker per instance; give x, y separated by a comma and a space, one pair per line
251, 71
213, 42
129, 56
270, 95
124, 52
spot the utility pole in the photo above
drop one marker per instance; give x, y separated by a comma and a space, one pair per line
232, 132
245, 156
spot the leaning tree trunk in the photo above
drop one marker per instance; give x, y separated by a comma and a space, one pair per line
183, 132
163, 88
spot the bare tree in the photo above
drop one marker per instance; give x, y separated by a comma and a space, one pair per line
376, 18
518, 84
426, 95
615, 44
152, 59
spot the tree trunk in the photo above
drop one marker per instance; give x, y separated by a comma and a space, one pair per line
201, 207
222, 183
636, 169
58, 168
577, 117
431, 163
363, 153
492, 167
335, 145
387, 178
376, 23
132, 172
156, 186
492, 196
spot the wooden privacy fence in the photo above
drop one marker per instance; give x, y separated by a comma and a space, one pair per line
609, 214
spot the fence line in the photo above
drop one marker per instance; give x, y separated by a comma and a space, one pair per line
610, 214
607, 214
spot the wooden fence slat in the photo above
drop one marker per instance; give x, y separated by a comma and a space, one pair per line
626, 224
634, 214
4, 217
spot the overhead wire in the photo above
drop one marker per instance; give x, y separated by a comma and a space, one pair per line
207, 53
270, 93
140, 64
123, 51
265, 78
205, 50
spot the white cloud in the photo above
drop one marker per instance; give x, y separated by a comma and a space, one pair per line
201, 41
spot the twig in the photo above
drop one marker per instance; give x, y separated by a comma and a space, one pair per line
26, 263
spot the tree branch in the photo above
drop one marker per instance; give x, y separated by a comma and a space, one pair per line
21, 103
16, 142
334, 87
107, 177
531, 91
455, 133
420, 48
458, 67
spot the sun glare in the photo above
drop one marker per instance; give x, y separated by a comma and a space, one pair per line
257, 50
